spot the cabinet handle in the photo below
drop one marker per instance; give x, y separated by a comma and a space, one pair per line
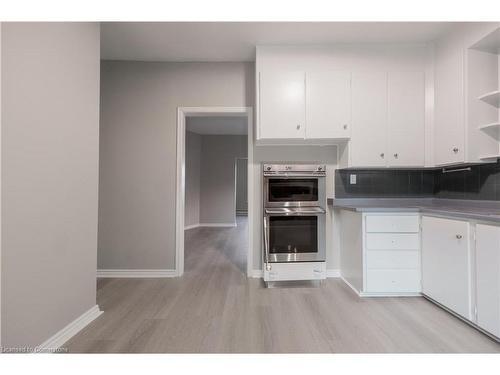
459, 236
298, 127
455, 150
382, 155
396, 156
345, 126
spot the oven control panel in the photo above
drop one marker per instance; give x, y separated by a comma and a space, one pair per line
303, 169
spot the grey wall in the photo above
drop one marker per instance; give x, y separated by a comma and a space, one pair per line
218, 156
192, 173
210, 177
50, 137
137, 185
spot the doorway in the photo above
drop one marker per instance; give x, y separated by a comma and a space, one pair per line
185, 115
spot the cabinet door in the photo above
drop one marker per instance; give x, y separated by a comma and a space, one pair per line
449, 140
406, 119
488, 278
369, 119
328, 104
282, 104
445, 263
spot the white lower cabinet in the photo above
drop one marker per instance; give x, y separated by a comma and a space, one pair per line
488, 278
393, 281
446, 263
391, 254
454, 262
380, 253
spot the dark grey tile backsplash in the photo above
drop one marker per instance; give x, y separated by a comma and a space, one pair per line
481, 182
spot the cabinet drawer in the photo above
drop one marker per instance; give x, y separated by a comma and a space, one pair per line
390, 259
392, 241
393, 281
392, 224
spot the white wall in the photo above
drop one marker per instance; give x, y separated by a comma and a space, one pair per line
49, 154
192, 182
218, 188
137, 184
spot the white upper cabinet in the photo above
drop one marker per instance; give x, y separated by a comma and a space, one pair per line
282, 104
449, 126
445, 263
406, 119
369, 120
371, 102
466, 128
328, 104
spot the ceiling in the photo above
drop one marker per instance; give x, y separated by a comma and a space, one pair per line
236, 41
217, 125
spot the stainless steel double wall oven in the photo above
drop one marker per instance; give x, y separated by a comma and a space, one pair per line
294, 213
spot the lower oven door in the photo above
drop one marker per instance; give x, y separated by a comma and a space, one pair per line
294, 235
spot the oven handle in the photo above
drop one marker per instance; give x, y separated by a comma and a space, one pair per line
266, 244
277, 212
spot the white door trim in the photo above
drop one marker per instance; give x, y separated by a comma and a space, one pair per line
236, 184
182, 113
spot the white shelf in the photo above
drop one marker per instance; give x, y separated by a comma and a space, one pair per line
492, 98
489, 157
490, 43
493, 125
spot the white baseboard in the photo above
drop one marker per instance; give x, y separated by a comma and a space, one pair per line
192, 226
395, 294
57, 340
333, 273
144, 273
350, 285
257, 274
221, 225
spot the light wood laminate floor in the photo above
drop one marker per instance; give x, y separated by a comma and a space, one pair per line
215, 308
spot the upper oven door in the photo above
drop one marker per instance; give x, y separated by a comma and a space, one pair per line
287, 191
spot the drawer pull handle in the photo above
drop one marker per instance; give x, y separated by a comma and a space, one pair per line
459, 236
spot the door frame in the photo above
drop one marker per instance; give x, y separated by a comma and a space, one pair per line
182, 113
236, 185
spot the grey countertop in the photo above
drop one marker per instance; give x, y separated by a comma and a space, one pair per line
457, 208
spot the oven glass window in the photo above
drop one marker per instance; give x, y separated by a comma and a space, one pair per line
293, 189
293, 234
